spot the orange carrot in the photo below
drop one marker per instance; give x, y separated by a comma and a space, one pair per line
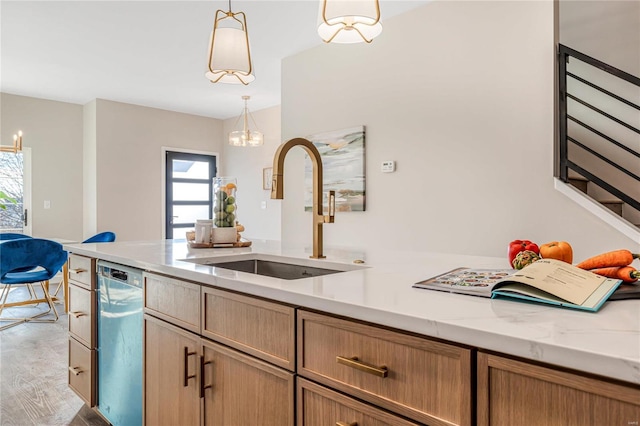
613, 258
628, 274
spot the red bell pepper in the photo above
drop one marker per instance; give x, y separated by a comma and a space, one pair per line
517, 246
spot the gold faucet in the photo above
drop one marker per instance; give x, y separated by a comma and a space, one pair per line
277, 188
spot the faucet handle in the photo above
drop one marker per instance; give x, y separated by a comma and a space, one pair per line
332, 208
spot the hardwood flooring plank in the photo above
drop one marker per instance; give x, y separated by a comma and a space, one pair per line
33, 376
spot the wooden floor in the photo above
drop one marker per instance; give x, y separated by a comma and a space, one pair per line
33, 374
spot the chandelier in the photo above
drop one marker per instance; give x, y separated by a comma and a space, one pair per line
349, 21
229, 55
246, 137
17, 144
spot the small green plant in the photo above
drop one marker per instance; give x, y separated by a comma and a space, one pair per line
5, 199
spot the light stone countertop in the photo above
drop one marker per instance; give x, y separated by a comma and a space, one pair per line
606, 343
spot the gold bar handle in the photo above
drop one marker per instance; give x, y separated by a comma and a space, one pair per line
346, 424
353, 362
330, 218
77, 314
77, 271
75, 370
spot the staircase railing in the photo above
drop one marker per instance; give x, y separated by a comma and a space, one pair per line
565, 162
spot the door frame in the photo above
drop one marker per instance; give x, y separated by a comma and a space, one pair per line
163, 178
27, 177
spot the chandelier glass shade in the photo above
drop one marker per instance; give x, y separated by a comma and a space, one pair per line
229, 53
246, 136
349, 21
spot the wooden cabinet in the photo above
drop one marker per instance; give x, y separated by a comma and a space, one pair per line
217, 357
82, 321
516, 392
424, 380
175, 301
241, 390
171, 376
258, 327
82, 271
319, 406
82, 371
82, 327
190, 380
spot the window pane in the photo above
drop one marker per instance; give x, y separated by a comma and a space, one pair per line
189, 214
190, 169
11, 184
190, 191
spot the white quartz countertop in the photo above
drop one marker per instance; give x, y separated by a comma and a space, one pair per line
606, 343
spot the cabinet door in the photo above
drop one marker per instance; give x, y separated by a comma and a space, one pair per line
319, 406
242, 390
170, 375
514, 392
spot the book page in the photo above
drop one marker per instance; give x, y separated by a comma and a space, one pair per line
560, 279
476, 282
592, 301
532, 292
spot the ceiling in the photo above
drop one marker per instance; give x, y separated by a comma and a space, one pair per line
150, 53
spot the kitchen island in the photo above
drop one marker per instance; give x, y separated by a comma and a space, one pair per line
379, 292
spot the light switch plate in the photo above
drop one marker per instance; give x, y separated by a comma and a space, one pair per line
388, 166
47, 204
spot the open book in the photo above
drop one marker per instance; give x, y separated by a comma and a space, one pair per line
546, 281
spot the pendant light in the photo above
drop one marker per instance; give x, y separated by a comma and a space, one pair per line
246, 137
349, 21
229, 54
17, 144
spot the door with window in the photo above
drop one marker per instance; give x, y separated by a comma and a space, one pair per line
189, 180
15, 192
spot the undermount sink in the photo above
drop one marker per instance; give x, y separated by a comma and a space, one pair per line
274, 266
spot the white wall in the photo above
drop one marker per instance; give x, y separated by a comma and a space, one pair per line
89, 171
53, 131
460, 95
129, 163
607, 30
246, 164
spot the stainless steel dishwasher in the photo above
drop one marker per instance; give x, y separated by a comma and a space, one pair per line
120, 325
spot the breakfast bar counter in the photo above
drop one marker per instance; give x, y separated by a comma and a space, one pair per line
379, 290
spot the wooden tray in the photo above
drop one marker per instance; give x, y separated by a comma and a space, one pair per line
241, 243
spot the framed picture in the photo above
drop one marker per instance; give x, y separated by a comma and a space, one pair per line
267, 177
343, 161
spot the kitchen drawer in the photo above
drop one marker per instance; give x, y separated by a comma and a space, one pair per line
175, 301
320, 406
258, 327
518, 392
82, 271
419, 378
82, 322
82, 361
